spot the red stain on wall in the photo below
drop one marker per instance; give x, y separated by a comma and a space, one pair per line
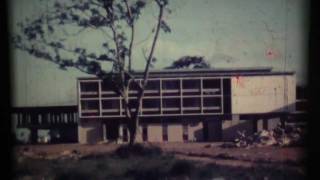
272, 54
239, 81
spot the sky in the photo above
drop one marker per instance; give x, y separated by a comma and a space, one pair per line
227, 33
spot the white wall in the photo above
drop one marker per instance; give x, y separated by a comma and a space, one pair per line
155, 133
175, 133
261, 94
90, 132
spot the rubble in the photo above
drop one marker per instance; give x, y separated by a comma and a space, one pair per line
67, 154
290, 135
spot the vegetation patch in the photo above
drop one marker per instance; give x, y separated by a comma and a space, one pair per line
126, 151
138, 163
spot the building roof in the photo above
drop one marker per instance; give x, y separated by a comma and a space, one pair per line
217, 72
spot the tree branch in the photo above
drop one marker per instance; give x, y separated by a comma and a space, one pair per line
131, 24
146, 71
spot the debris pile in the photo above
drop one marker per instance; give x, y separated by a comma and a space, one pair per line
290, 135
67, 154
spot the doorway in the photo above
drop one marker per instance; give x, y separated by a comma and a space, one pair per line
112, 129
212, 131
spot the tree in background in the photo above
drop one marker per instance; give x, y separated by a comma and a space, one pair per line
47, 37
189, 62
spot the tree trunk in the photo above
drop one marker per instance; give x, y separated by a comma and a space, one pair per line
133, 133
135, 117
133, 128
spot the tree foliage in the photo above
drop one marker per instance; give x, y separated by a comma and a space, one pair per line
194, 62
48, 37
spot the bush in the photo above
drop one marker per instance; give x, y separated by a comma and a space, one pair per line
147, 173
74, 174
182, 167
126, 151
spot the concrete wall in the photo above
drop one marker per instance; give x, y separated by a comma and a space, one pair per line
226, 130
261, 94
155, 133
175, 133
90, 132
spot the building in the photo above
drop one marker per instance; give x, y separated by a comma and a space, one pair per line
189, 105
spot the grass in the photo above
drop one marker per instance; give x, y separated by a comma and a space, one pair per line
139, 162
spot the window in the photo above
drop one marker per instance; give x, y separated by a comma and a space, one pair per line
171, 106
171, 103
191, 105
107, 90
191, 84
191, 87
171, 87
227, 95
151, 106
90, 104
133, 102
89, 86
89, 107
111, 104
144, 133
153, 85
212, 102
134, 88
165, 132
191, 102
171, 84
211, 86
212, 105
89, 89
111, 107
185, 132
152, 88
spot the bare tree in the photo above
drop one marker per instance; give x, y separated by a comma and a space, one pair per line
116, 19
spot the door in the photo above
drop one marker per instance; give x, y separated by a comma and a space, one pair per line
212, 130
112, 131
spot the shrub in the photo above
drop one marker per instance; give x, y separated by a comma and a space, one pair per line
74, 174
147, 173
182, 167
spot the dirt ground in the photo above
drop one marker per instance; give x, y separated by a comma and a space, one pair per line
288, 157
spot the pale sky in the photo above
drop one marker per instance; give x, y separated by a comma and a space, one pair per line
228, 33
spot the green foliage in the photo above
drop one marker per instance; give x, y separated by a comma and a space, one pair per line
127, 151
49, 37
194, 62
182, 167
38, 36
